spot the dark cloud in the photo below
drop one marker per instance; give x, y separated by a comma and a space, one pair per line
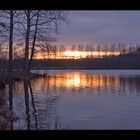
101, 26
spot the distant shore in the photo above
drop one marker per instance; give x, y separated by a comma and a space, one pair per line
123, 62
77, 68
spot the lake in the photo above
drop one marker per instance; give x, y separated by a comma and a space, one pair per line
77, 99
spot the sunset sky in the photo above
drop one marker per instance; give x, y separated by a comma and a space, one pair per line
101, 27
97, 27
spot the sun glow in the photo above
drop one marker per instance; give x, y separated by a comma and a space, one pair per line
74, 55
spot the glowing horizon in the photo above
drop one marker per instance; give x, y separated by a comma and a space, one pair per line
74, 54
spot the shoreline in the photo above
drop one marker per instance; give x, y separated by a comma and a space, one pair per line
16, 76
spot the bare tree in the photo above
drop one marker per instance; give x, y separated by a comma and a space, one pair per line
12, 13
73, 49
120, 47
7, 24
130, 49
55, 50
106, 50
112, 49
34, 26
88, 51
99, 50
40, 25
61, 50
80, 49
4, 24
123, 49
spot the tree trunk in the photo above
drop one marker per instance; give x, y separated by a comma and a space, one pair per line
26, 66
11, 41
34, 41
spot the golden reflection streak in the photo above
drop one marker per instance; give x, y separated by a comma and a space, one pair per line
77, 80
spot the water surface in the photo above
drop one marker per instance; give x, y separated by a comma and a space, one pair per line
78, 99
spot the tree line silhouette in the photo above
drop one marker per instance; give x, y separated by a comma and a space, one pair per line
127, 56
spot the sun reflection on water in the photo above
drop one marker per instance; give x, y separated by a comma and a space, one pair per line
73, 81
78, 80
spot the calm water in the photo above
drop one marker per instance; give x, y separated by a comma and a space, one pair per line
86, 99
